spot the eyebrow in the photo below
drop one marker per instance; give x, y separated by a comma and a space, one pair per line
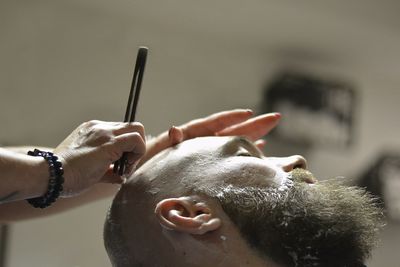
244, 141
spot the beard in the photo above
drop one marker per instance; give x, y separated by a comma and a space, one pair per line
323, 224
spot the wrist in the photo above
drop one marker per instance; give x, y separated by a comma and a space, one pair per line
55, 182
68, 178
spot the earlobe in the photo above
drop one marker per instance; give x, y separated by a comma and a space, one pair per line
186, 215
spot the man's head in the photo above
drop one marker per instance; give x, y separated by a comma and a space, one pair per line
217, 201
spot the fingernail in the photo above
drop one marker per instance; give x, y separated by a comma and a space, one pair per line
277, 115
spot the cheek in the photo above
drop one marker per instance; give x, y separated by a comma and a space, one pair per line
249, 171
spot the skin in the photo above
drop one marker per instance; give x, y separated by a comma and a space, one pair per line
23, 176
86, 155
155, 214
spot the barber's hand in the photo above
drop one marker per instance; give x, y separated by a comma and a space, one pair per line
226, 123
88, 152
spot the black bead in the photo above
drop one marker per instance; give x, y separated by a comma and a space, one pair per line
57, 164
56, 180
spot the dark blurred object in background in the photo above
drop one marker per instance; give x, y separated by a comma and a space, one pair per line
383, 179
315, 111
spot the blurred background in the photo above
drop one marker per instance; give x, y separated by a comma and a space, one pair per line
66, 62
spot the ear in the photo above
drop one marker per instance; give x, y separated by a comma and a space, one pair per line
186, 215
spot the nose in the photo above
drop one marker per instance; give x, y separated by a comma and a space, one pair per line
288, 164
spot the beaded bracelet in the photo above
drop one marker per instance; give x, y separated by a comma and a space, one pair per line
55, 182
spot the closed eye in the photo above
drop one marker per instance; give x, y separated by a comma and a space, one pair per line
244, 155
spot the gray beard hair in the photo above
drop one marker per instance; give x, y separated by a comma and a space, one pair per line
324, 224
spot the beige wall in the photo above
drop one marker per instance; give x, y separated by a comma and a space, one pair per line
64, 62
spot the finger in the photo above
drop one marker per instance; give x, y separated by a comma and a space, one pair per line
128, 127
111, 177
133, 158
254, 128
175, 135
128, 142
129, 169
215, 123
260, 144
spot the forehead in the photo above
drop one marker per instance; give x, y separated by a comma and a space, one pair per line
215, 144
195, 154
202, 144
188, 153
213, 160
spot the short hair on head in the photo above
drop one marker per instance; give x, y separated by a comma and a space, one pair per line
327, 224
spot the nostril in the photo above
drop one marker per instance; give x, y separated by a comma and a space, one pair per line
298, 166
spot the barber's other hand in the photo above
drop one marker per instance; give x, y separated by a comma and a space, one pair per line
225, 123
88, 152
